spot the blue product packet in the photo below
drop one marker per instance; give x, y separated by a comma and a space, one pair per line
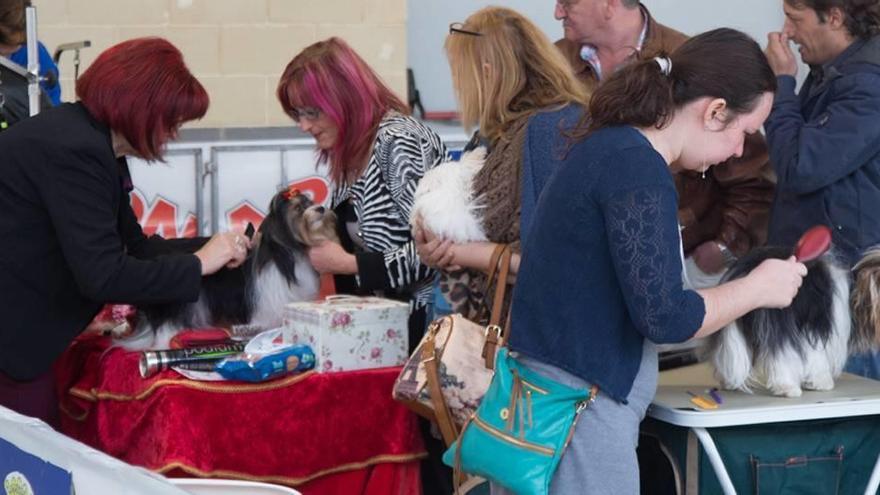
258, 368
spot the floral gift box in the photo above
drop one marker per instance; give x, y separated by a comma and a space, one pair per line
349, 332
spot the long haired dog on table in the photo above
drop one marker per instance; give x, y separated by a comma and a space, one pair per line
276, 272
865, 302
803, 346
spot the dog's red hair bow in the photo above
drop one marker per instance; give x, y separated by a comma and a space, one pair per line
290, 193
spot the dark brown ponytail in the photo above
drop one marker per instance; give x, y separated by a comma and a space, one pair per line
639, 95
723, 63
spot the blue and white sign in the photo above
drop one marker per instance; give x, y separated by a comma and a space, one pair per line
27, 474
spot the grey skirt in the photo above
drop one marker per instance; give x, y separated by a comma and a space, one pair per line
601, 458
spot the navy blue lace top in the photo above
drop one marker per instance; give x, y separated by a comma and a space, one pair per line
601, 268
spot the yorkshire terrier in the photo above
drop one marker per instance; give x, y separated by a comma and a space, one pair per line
276, 272
865, 303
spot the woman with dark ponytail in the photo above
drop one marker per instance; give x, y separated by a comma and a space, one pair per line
600, 281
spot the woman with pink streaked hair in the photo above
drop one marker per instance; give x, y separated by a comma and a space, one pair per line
376, 154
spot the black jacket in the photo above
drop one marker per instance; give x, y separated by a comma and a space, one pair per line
70, 240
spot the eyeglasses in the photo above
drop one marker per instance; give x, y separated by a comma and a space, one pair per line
457, 27
306, 113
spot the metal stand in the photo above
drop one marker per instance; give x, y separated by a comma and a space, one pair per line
33, 66
76, 46
715, 459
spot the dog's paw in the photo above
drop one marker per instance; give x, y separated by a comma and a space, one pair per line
819, 383
729, 379
791, 392
741, 387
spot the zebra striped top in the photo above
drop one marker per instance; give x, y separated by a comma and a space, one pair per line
382, 198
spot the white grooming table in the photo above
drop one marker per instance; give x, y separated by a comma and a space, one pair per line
852, 396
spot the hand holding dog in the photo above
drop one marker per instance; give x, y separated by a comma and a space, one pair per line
777, 281
330, 257
434, 251
227, 249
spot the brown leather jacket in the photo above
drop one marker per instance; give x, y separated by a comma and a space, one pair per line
731, 205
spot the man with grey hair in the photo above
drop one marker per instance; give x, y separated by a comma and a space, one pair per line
723, 212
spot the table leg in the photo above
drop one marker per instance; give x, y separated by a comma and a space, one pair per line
715, 458
874, 482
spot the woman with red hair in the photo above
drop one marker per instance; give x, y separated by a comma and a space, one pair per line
376, 155
71, 239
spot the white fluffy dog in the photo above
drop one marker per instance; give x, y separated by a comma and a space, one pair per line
444, 202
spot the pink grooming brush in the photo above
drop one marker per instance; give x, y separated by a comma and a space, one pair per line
813, 244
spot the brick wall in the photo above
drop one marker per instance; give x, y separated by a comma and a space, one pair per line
237, 48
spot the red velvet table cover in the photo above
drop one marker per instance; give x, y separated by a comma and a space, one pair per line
316, 432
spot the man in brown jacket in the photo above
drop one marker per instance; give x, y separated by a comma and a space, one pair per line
724, 213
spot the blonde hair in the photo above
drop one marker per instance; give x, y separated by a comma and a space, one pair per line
509, 70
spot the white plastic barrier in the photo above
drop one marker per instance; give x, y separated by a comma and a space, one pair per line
92, 471
221, 179
198, 486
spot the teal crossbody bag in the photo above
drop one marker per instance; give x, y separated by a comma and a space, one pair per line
518, 434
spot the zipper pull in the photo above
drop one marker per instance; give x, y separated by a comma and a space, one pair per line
522, 417
513, 404
529, 403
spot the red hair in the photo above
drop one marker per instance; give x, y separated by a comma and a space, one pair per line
330, 76
142, 89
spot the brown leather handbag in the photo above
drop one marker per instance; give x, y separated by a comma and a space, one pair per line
449, 372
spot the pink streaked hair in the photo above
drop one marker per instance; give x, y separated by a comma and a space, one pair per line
331, 77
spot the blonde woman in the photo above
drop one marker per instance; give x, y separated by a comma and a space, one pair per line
514, 85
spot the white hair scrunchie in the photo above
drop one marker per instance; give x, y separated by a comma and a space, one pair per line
665, 65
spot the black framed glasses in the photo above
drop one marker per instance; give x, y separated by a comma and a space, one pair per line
458, 27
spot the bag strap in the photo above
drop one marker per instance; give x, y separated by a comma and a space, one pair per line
492, 269
470, 483
458, 476
441, 409
494, 334
501, 287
